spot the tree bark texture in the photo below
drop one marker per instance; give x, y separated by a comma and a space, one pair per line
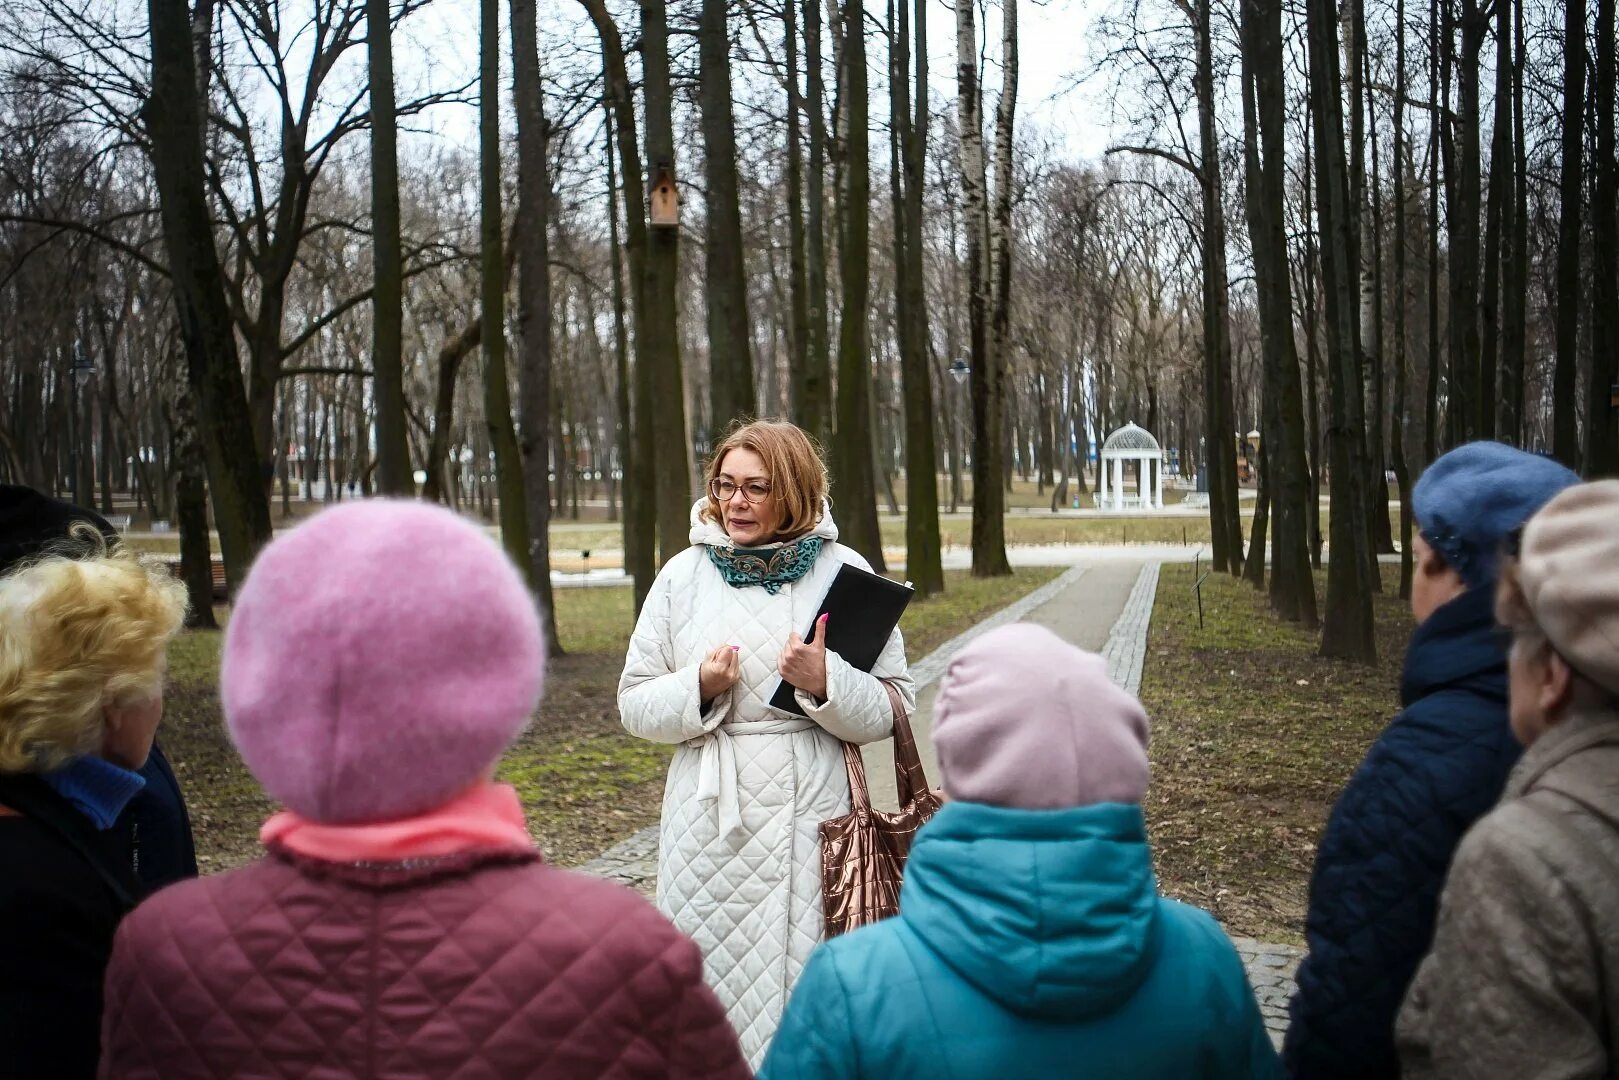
659, 347
989, 502
534, 306
387, 260
640, 490
730, 361
815, 378
922, 555
1565, 375
1601, 406
1348, 630
173, 118
1285, 465
853, 469
1225, 520
497, 402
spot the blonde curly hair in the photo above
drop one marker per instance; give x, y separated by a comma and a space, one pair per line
77, 635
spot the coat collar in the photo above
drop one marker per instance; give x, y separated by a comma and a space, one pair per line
1573, 736
1458, 643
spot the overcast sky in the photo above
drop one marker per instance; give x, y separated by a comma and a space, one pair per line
1052, 44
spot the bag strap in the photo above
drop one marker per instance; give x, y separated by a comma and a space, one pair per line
910, 781
859, 793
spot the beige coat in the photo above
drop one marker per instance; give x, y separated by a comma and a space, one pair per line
1523, 977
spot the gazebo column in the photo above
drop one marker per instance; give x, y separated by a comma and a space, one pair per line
1101, 481
1118, 483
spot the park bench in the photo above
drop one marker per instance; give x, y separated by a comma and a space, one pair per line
217, 568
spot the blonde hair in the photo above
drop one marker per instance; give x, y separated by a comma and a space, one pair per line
793, 460
77, 635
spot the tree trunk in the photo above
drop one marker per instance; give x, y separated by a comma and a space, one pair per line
1254, 566
1381, 538
1463, 214
637, 530
1565, 376
1515, 280
173, 118
815, 378
497, 403
1402, 470
1285, 468
534, 306
988, 521
1430, 427
659, 349
1602, 415
798, 266
853, 472
387, 301
999, 355
1348, 628
640, 500
191, 506
1225, 519
922, 556
730, 365
1498, 207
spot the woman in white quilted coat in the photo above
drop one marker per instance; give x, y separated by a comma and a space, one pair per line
739, 866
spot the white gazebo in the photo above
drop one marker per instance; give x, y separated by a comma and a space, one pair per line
1130, 443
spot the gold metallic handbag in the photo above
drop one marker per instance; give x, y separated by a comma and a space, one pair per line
863, 852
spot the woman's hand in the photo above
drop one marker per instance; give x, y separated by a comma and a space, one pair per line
804, 664
720, 671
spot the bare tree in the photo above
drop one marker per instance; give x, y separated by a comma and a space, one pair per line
174, 125
387, 301
497, 392
534, 305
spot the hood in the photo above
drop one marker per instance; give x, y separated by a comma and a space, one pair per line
1459, 646
1053, 913
712, 533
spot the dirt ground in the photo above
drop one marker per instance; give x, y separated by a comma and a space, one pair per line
1253, 738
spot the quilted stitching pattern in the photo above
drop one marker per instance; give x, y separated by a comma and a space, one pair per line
506, 971
1388, 845
751, 900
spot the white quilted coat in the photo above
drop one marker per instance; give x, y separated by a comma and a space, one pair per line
739, 862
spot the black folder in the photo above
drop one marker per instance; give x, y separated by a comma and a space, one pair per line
864, 610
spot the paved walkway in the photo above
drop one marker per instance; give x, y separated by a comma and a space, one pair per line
1104, 605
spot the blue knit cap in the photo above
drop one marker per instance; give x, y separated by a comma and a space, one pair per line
1471, 500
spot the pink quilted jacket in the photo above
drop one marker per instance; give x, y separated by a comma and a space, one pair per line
462, 966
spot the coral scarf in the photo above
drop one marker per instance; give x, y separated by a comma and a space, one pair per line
487, 818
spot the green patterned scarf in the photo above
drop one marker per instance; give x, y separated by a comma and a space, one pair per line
771, 567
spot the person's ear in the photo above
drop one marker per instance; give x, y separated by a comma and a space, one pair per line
1556, 686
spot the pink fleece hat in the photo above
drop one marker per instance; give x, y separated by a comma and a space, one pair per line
1027, 721
379, 659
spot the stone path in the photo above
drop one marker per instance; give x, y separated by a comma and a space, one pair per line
1104, 605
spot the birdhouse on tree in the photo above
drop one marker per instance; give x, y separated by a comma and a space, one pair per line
665, 199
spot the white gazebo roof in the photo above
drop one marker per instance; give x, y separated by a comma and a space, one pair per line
1130, 439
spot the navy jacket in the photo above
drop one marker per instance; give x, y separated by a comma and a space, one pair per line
157, 829
1374, 895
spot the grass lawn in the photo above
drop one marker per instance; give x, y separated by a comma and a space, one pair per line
585, 783
1254, 736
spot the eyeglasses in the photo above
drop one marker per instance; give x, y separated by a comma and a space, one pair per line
753, 492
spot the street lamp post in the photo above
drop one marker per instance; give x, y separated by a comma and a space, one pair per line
82, 371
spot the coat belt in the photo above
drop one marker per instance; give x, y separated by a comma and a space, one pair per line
717, 768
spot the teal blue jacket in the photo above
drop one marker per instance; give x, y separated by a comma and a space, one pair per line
1029, 943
